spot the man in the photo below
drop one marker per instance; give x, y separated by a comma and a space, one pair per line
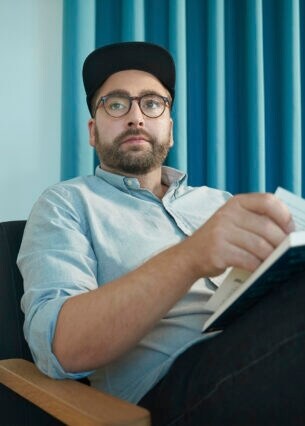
118, 266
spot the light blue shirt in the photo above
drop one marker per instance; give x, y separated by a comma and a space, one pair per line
87, 231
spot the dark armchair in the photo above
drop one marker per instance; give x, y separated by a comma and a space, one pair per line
27, 397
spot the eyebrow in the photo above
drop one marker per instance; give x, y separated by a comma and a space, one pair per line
122, 92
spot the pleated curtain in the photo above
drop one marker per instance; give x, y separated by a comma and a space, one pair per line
239, 109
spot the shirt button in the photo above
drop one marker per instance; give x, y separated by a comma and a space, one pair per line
129, 182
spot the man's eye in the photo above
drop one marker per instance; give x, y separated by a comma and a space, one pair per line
151, 104
116, 106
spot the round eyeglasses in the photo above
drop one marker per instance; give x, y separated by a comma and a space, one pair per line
117, 106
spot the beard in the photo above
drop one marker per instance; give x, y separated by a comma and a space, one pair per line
137, 160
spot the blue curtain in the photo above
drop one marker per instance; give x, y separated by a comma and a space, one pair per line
239, 121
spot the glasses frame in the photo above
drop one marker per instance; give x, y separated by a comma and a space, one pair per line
103, 99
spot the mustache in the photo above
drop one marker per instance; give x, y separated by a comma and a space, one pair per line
132, 132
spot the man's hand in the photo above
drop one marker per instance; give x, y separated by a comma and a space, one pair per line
242, 233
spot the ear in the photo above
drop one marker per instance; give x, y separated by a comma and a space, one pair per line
92, 132
171, 133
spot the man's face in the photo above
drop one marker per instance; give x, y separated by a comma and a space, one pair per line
134, 143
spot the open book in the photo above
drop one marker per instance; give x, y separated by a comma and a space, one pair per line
241, 289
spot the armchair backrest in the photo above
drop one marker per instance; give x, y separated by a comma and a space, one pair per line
14, 410
13, 344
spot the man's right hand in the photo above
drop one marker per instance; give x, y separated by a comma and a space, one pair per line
242, 233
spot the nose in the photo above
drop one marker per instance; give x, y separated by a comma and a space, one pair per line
135, 116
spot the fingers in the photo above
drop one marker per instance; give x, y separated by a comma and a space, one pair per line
243, 258
262, 221
233, 248
269, 206
254, 244
243, 232
260, 225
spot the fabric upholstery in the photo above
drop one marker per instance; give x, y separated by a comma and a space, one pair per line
14, 410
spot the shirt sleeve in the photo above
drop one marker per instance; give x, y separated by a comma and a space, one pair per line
56, 261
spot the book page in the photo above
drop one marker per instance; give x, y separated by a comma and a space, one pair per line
235, 278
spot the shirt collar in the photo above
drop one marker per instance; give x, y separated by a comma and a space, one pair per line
169, 177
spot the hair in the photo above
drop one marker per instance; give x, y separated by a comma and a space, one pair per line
94, 100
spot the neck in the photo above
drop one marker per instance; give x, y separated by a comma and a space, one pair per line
153, 182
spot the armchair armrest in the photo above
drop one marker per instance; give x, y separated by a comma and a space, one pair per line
69, 401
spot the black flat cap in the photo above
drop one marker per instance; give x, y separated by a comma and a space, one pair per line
107, 60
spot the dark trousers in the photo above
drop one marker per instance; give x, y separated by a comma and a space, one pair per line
253, 373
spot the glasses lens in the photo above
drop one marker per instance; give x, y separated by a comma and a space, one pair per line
152, 105
116, 106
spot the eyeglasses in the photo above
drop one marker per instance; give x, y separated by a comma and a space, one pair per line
117, 106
